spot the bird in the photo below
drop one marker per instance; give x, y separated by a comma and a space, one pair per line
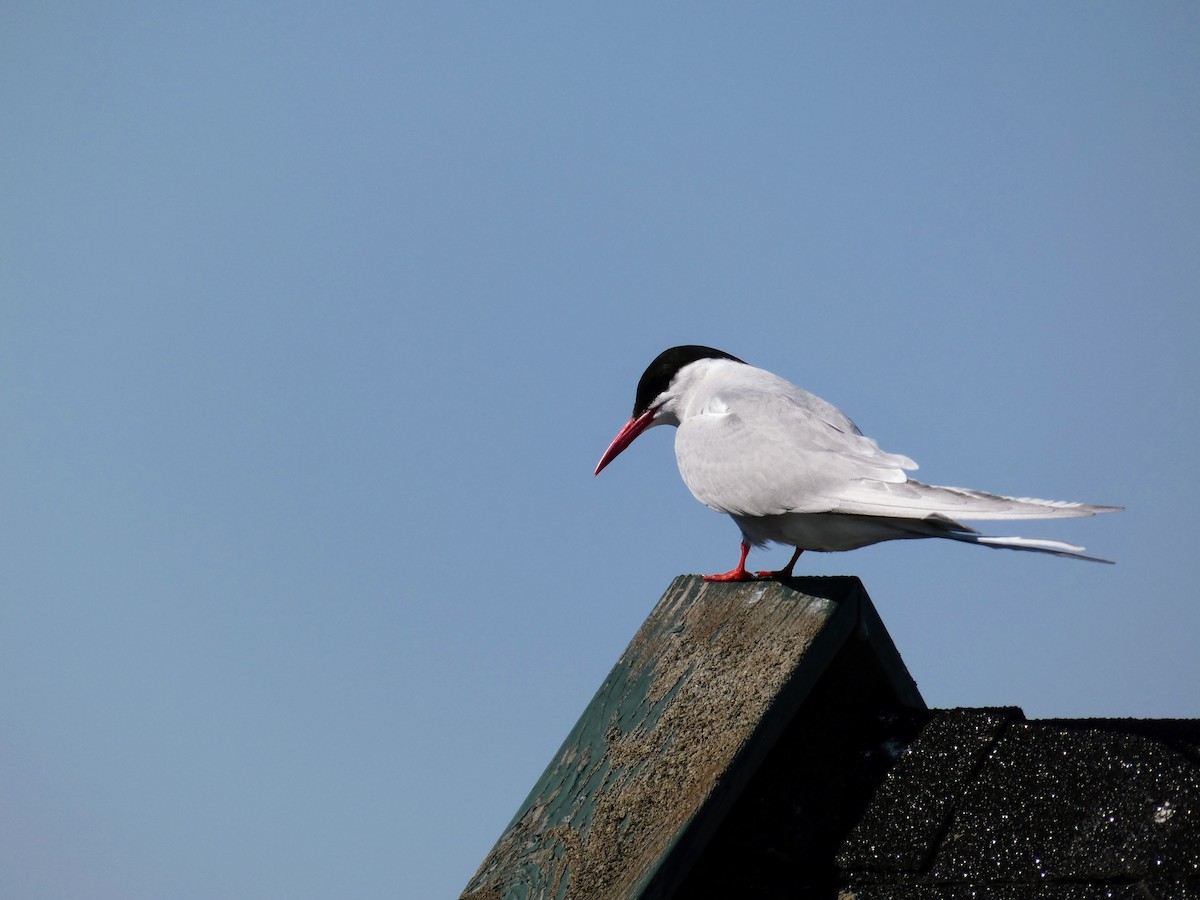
793, 469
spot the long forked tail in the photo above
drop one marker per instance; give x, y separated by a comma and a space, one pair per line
942, 507
943, 527
1054, 548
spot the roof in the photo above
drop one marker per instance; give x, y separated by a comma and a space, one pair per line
765, 740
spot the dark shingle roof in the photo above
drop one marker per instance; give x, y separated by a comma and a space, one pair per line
954, 803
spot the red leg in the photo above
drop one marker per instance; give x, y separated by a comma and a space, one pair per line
738, 574
786, 571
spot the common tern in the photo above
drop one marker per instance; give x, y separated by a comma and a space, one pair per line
792, 469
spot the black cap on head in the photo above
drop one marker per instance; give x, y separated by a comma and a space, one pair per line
659, 373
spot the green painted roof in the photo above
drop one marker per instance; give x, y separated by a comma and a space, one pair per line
675, 732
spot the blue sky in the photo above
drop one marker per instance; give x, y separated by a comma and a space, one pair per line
316, 319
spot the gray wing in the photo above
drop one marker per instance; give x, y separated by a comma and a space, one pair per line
766, 447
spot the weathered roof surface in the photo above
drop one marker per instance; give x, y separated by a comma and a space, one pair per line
696, 702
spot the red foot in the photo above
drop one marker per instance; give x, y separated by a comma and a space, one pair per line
786, 571
738, 574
